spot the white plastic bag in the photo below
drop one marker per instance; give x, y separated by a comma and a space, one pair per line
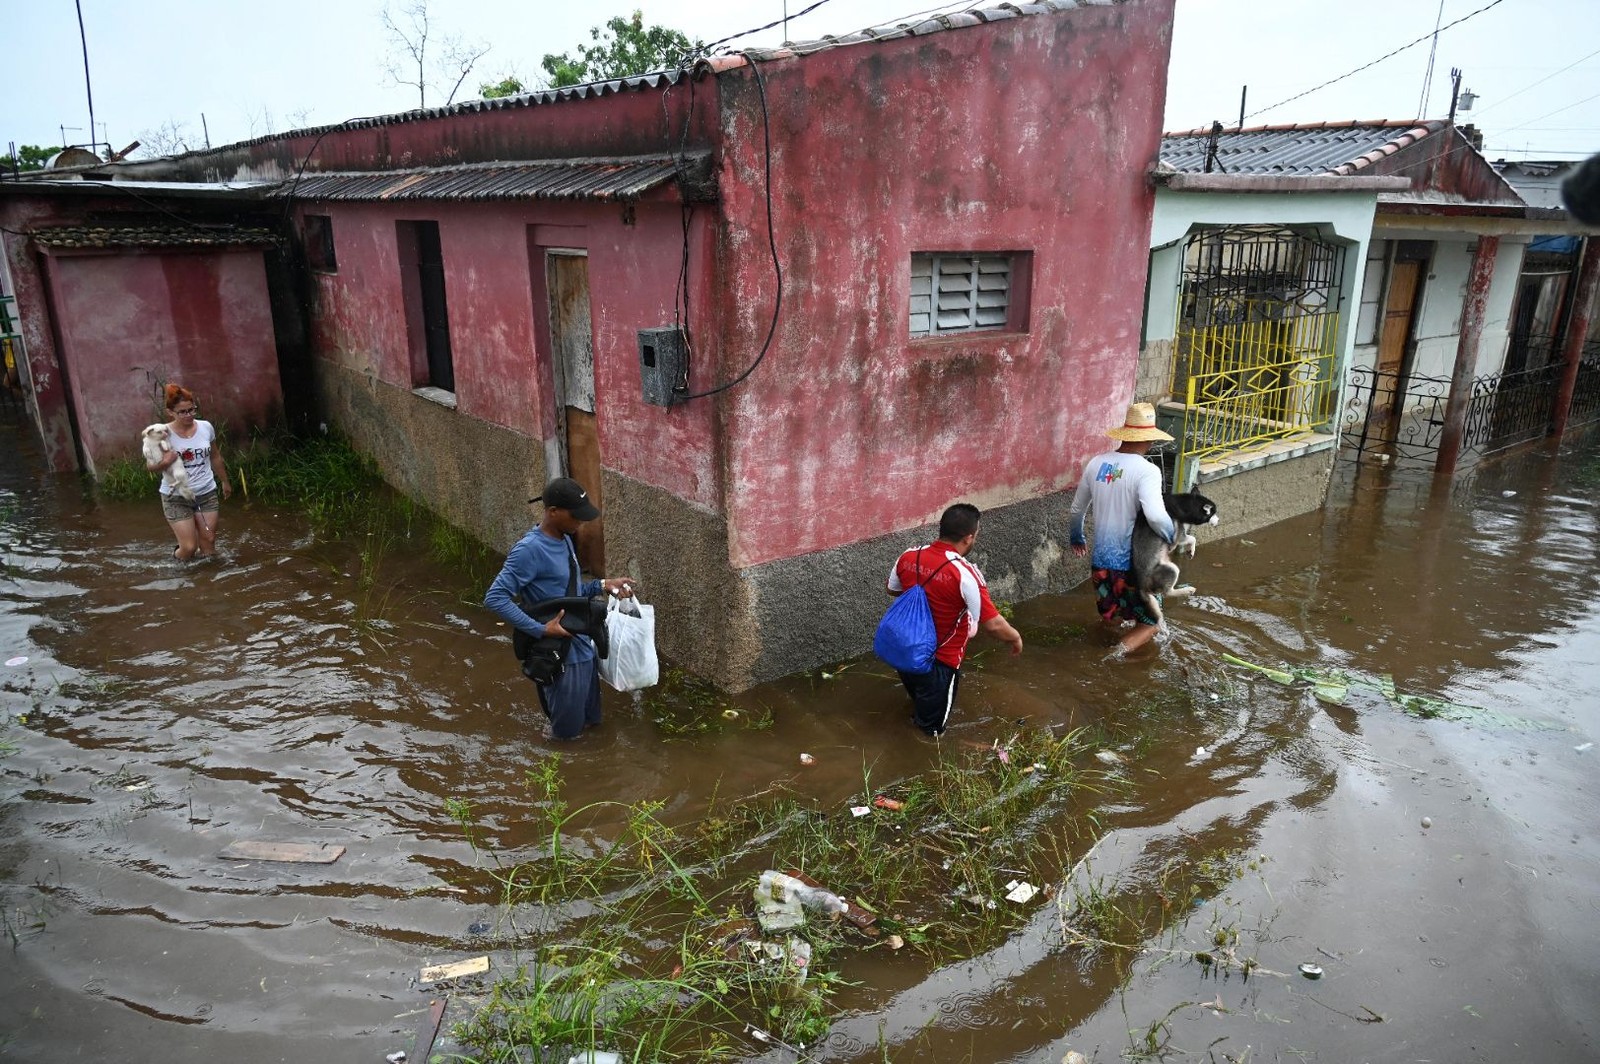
631, 630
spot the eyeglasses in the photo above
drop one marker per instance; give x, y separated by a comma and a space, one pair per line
184, 411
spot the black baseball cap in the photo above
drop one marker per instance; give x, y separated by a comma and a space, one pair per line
564, 493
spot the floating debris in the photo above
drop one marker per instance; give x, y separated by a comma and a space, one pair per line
456, 969
1333, 686
860, 810
1019, 890
1427, 821
288, 852
884, 802
1108, 757
807, 759
1311, 971
21, 659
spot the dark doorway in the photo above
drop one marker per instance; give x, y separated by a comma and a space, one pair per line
427, 314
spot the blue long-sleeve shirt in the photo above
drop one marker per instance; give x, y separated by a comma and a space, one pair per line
538, 568
1119, 486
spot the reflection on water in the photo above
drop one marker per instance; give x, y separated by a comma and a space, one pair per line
166, 711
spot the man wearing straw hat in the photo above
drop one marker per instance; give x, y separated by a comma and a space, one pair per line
1119, 485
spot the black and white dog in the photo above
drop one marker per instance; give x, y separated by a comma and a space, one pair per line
1154, 571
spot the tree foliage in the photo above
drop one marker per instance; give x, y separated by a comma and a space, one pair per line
509, 85
28, 157
622, 47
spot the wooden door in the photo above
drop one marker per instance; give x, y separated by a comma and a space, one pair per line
572, 358
1394, 340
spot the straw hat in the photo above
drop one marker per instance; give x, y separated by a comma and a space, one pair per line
1140, 425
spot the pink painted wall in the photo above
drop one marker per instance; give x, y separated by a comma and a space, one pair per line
47, 399
128, 321
498, 313
1033, 134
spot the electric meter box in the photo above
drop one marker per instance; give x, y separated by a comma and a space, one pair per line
663, 363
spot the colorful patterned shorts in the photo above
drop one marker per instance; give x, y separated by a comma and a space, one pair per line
1117, 598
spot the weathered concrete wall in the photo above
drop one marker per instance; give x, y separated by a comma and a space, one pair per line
480, 477
851, 429
128, 323
44, 383
736, 628
1154, 380
679, 553
477, 475
495, 289
826, 606
1268, 494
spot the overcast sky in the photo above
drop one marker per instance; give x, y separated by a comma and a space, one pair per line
252, 68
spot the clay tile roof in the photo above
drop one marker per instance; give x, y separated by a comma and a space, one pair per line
1340, 148
153, 236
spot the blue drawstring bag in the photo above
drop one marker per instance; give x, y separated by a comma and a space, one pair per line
906, 638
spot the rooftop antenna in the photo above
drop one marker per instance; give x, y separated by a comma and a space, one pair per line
1427, 79
1243, 92
1455, 93
88, 89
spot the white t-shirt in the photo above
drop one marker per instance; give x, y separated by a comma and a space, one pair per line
1118, 486
195, 454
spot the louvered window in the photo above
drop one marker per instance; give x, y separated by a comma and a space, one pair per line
959, 293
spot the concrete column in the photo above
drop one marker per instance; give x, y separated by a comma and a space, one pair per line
1577, 330
1473, 308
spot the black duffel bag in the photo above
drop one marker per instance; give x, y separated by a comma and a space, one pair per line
544, 657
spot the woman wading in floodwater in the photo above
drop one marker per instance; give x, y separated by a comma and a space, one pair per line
194, 442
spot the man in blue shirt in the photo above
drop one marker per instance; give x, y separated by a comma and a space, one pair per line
544, 565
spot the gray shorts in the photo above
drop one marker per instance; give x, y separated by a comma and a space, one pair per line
177, 508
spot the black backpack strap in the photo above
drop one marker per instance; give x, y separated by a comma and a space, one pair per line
924, 583
572, 568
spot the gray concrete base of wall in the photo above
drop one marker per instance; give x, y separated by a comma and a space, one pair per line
735, 628
1255, 498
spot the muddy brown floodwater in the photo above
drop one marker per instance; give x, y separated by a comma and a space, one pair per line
1444, 873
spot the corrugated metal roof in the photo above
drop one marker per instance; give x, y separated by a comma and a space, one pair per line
1320, 148
973, 16
153, 236
566, 179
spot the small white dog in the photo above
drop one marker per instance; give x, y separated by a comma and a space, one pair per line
154, 446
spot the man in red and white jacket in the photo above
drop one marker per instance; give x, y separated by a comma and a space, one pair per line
959, 600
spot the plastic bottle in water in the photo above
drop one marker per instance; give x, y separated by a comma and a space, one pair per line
781, 898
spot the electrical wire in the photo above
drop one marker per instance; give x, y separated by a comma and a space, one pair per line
768, 26
681, 317
680, 296
1375, 62
772, 244
1535, 85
